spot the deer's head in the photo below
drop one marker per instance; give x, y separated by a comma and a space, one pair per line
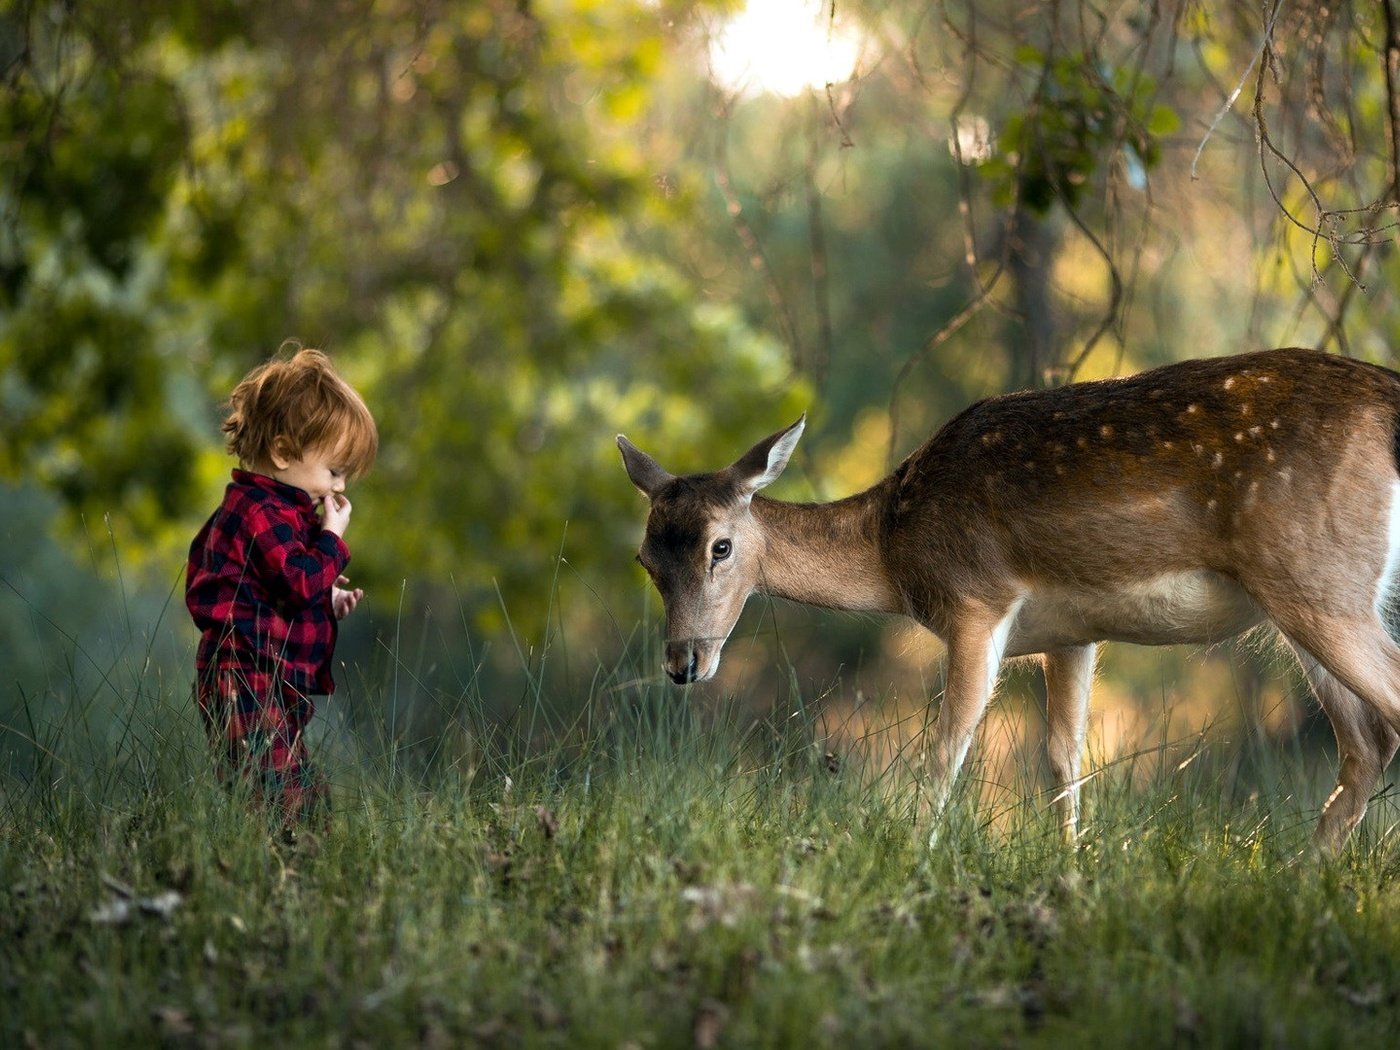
703, 548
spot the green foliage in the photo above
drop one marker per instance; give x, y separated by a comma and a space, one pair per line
888, 198
93, 148
448, 203
1081, 119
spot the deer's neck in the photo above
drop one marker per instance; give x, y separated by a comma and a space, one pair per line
827, 554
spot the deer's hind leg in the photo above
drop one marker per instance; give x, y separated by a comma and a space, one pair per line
1366, 742
1337, 608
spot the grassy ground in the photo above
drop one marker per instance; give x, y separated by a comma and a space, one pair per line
664, 879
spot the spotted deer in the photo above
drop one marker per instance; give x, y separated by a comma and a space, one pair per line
1186, 504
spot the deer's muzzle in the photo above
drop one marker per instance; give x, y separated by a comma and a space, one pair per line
688, 661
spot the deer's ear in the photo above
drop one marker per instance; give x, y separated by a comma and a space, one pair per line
762, 464
647, 474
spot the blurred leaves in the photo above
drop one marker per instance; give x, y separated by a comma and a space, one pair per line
1082, 118
447, 197
91, 150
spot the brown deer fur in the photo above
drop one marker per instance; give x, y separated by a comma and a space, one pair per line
1185, 504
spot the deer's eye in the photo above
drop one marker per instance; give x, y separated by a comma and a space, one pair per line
721, 550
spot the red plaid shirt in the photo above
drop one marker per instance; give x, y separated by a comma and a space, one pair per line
259, 583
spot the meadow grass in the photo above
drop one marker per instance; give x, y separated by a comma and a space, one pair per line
656, 874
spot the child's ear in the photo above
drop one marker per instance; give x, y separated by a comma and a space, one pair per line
281, 453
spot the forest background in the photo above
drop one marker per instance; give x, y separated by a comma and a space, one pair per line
522, 226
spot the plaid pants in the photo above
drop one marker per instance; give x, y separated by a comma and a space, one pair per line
257, 724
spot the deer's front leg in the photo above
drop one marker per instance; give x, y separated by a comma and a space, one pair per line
976, 645
1069, 674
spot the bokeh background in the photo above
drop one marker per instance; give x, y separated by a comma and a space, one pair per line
522, 226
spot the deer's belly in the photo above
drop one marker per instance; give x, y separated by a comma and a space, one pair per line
1193, 607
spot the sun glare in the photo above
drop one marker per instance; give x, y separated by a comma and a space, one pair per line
783, 47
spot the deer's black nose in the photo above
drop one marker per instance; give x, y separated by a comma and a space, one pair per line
687, 674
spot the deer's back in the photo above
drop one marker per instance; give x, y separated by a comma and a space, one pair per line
1181, 468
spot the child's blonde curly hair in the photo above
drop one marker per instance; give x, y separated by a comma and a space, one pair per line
290, 406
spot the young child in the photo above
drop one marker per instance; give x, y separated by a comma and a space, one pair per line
265, 582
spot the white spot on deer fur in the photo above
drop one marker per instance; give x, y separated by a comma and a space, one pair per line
1239, 438
1192, 409
1219, 459
1251, 497
1255, 431
1273, 425
1106, 431
1210, 504
1269, 452
1229, 382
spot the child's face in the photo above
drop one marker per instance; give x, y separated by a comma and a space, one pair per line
317, 473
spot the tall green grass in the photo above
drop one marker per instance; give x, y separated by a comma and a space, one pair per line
658, 868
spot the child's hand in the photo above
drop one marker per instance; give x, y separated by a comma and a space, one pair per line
343, 601
335, 513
